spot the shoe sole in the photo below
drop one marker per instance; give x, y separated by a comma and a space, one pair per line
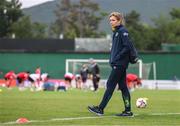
125, 116
94, 112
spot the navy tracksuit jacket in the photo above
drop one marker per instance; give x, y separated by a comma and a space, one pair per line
121, 48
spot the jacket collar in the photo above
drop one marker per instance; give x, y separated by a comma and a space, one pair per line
117, 27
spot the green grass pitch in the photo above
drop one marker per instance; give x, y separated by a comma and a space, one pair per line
70, 108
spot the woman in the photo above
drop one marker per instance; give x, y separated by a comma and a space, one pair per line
122, 53
10, 77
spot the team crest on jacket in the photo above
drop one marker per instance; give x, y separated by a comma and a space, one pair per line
116, 34
125, 34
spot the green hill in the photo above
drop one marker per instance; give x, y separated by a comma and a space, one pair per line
147, 8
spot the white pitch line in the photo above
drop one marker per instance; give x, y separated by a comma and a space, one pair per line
88, 117
79, 118
165, 113
59, 119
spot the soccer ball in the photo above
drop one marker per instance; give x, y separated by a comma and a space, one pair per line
92, 88
141, 102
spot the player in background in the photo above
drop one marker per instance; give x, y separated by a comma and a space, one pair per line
36, 83
84, 75
21, 78
38, 73
95, 72
44, 77
66, 83
78, 80
68, 77
133, 81
122, 53
9, 78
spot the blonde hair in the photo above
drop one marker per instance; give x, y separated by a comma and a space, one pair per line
119, 16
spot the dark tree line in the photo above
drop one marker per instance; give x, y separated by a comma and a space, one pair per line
14, 24
164, 30
82, 19
79, 19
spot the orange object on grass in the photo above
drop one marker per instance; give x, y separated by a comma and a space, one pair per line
22, 120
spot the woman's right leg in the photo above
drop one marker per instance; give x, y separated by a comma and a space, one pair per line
111, 85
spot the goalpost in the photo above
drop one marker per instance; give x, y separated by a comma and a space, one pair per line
143, 70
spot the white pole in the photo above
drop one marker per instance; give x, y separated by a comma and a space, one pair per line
154, 70
67, 65
155, 75
140, 68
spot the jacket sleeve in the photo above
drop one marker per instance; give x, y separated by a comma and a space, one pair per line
128, 46
126, 43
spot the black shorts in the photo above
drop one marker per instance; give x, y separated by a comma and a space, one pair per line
68, 79
19, 80
30, 79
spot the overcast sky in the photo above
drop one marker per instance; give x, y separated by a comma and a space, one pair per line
29, 3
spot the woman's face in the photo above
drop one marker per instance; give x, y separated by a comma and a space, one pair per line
113, 21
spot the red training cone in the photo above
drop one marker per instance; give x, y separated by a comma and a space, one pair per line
22, 120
